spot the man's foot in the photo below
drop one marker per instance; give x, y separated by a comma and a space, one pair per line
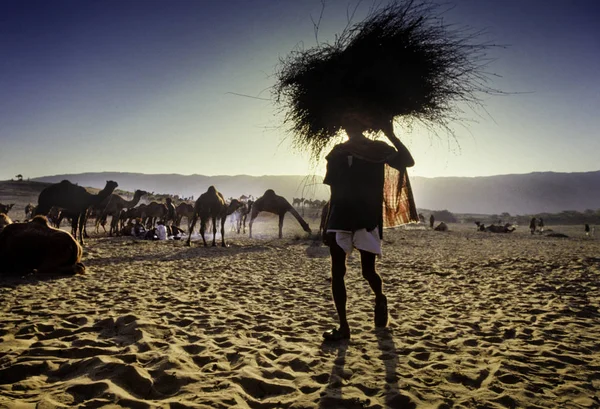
381, 312
336, 334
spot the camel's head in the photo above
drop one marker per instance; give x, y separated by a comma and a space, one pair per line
111, 185
140, 193
234, 205
6, 208
4, 221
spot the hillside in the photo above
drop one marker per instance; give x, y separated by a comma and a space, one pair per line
531, 193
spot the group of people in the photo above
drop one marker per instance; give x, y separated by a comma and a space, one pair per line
536, 224
162, 231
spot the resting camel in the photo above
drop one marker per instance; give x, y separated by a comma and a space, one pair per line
74, 199
211, 205
500, 229
112, 206
35, 246
184, 210
272, 203
6, 208
4, 221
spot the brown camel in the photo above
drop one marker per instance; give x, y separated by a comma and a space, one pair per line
6, 208
74, 199
4, 221
112, 206
36, 247
211, 205
272, 203
154, 212
184, 210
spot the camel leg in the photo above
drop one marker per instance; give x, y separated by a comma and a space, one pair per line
203, 229
253, 216
214, 225
80, 219
223, 232
192, 225
281, 216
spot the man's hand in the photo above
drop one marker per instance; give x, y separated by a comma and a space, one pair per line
402, 150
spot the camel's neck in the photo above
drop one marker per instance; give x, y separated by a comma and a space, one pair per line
134, 201
103, 194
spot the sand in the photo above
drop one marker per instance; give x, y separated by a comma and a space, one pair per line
478, 320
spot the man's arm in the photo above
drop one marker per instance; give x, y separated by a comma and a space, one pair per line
404, 158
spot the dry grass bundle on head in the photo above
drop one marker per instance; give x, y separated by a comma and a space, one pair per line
401, 61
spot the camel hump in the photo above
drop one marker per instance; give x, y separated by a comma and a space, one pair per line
269, 192
211, 189
39, 219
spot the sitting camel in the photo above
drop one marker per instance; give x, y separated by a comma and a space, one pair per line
35, 246
500, 229
6, 208
74, 199
211, 205
441, 227
272, 203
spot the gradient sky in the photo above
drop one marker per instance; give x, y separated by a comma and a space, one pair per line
148, 86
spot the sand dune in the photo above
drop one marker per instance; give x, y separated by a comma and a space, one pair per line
478, 321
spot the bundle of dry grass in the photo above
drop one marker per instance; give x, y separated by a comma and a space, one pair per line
401, 61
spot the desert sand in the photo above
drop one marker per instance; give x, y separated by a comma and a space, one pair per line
478, 320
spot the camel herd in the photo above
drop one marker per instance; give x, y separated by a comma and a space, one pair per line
39, 245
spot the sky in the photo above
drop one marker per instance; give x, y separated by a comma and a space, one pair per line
183, 86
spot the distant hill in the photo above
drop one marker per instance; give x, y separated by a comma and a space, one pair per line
542, 192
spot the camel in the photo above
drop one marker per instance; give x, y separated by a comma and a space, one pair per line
211, 205
74, 199
29, 209
184, 210
6, 208
441, 227
272, 203
35, 246
112, 206
154, 212
4, 221
500, 229
240, 216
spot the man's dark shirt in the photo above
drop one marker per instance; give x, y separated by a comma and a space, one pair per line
357, 183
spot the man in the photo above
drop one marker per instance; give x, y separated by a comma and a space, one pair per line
356, 176
171, 211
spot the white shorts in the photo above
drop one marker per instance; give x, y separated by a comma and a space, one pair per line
360, 239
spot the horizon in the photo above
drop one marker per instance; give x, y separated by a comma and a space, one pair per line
179, 91
289, 174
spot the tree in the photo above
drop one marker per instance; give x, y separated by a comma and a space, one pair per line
19, 177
